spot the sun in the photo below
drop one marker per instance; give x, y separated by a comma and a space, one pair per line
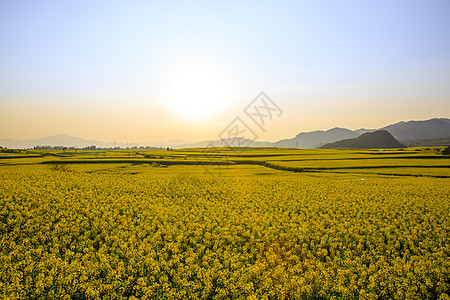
196, 89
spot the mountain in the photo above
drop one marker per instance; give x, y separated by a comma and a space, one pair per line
169, 143
72, 141
55, 140
369, 140
318, 138
409, 133
234, 142
363, 130
429, 132
445, 120
420, 130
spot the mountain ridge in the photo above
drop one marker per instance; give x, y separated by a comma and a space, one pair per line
317, 138
369, 140
407, 132
419, 130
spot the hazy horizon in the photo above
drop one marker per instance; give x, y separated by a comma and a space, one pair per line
145, 71
60, 139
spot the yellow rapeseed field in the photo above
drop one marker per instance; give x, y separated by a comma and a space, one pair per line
251, 232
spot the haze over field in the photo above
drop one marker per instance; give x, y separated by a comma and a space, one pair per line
142, 71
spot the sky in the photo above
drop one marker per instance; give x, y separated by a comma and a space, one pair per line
143, 71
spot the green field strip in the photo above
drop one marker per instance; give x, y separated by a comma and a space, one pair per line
397, 173
366, 158
19, 156
142, 161
364, 163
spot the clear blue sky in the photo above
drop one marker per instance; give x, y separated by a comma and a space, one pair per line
104, 69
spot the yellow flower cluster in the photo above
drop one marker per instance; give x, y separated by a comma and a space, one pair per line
76, 235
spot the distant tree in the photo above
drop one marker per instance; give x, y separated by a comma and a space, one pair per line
446, 151
6, 150
48, 147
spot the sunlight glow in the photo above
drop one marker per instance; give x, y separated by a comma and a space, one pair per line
196, 89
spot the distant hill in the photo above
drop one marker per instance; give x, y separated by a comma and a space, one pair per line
318, 138
410, 133
73, 141
420, 130
370, 140
363, 130
55, 140
429, 132
235, 142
